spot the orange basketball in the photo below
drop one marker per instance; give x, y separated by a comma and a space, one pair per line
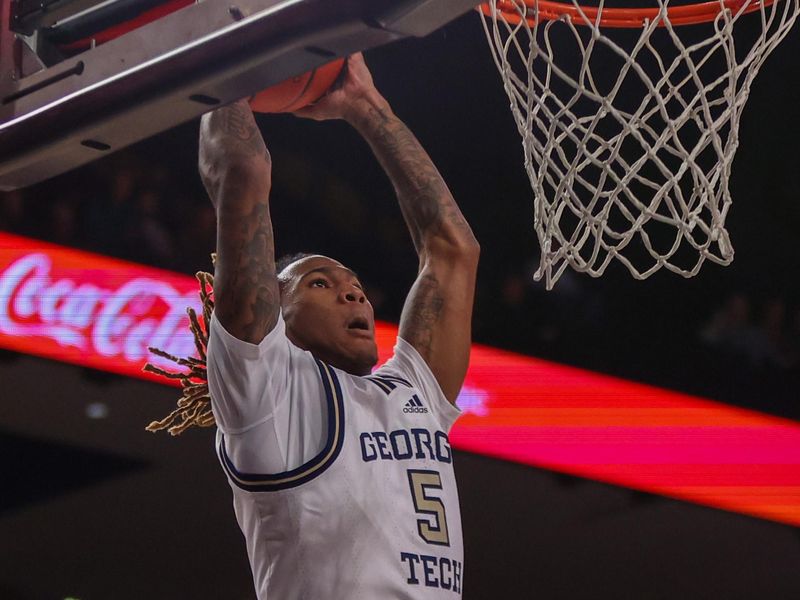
297, 92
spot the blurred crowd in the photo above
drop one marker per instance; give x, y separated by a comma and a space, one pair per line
131, 210
738, 348
765, 336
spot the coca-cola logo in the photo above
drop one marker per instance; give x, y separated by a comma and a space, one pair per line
112, 323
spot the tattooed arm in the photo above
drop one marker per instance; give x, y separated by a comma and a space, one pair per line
437, 314
236, 170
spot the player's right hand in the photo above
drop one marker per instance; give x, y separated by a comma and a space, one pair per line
350, 97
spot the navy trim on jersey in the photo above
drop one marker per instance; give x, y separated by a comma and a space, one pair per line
313, 468
384, 387
387, 383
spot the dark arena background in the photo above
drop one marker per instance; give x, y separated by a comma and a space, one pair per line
94, 507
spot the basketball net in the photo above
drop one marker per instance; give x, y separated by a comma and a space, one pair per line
629, 121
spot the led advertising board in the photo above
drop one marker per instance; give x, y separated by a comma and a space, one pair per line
103, 313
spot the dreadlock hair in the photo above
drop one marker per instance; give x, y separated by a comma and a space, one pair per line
194, 406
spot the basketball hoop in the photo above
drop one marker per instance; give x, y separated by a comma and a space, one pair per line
688, 14
630, 123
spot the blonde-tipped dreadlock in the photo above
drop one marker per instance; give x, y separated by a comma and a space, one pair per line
194, 407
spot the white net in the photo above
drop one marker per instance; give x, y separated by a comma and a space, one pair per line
629, 133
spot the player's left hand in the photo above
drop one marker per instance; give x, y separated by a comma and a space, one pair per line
354, 93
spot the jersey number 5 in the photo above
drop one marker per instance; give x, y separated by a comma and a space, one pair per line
432, 530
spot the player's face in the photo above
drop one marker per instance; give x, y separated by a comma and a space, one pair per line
328, 314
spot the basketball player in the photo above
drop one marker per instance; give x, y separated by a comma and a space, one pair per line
342, 479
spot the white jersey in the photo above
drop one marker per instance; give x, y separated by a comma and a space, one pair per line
343, 485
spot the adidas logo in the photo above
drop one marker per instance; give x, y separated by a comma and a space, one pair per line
414, 406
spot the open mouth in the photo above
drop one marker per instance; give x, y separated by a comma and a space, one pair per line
359, 323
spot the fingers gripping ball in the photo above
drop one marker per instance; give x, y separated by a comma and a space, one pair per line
297, 92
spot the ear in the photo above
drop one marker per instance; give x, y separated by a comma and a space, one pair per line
292, 336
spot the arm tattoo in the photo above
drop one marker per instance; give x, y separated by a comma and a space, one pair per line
249, 299
246, 288
425, 304
240, 131
436, 317
425, 201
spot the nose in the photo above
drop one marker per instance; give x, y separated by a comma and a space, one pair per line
354, 295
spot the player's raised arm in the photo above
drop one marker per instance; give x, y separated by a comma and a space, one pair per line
236, 169
437, 314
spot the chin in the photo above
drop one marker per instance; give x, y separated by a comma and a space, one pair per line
356, 359
355, 363
365, 364
359, 368
362, 372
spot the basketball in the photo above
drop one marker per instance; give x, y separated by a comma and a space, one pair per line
297, 92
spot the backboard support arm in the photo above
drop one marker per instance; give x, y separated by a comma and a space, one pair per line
178, 67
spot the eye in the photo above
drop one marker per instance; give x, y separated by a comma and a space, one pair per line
320, 283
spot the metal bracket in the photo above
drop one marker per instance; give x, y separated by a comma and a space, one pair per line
180, 66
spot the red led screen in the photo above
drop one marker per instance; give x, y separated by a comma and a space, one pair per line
103, 313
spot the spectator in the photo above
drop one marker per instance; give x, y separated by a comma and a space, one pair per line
197, 237
110, 214
152, 241
12, 214
729, 328
62, 226
769, 345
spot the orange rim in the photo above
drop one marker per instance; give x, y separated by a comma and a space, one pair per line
688, 14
